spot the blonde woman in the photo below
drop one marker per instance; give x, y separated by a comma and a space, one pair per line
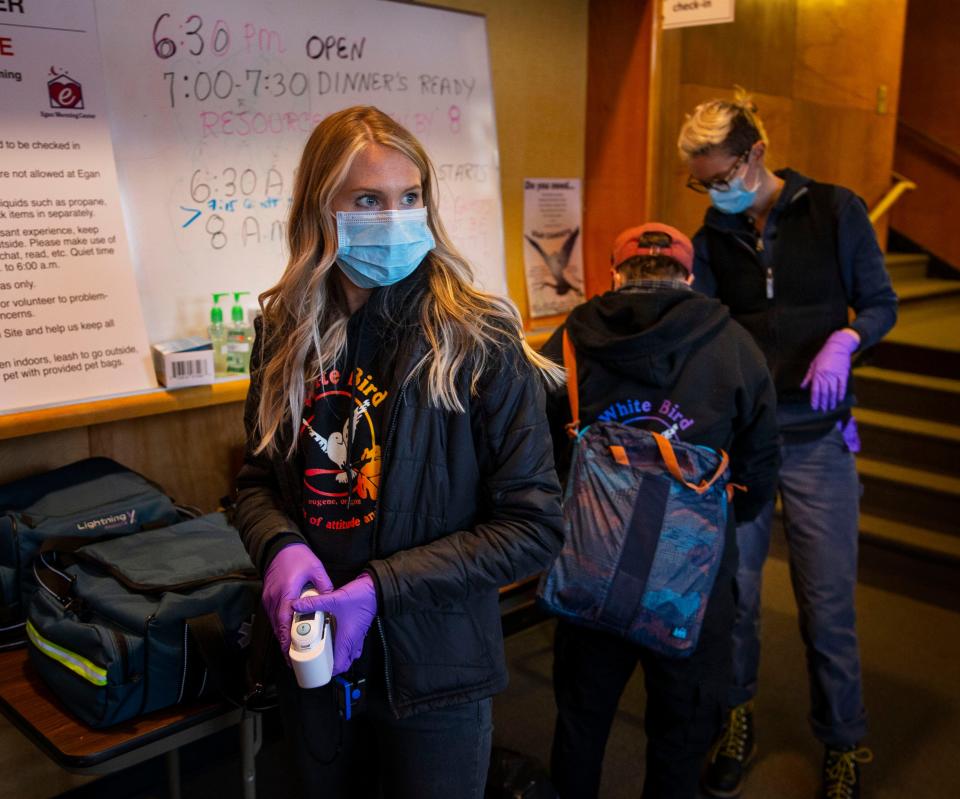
398, 462
788, 255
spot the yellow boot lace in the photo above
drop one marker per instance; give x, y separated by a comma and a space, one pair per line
841, 771
733, 742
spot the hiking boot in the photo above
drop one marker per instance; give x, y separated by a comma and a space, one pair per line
732, 753
841, 772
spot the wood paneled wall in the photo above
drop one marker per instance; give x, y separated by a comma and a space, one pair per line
618, 99
194, 454
930, 89
824, 75
926, 215
928, 143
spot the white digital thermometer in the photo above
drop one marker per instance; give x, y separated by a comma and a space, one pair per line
311, 647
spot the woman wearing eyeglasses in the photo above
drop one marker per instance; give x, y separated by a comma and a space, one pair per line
789, 255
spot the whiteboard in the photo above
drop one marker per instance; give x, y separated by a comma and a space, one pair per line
212, 102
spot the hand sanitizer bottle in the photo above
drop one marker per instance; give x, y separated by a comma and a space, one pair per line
218, 335
239, 338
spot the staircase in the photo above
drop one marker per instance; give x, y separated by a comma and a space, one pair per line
908, 271
909, 419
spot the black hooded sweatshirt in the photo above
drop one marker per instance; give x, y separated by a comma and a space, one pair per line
658, 355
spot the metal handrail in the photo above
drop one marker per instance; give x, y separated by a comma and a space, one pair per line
901, 186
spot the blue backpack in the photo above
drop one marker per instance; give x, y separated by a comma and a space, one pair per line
646, 520
134, 624
90, 499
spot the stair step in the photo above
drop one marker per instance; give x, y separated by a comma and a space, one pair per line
907, 394
913, 289
903, 536
903, 356
906, 536
908, 424
926, 337
899, 258
906, 265
911, 442
912, 496
911, 380
916, 478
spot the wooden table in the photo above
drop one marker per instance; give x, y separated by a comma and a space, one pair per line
30, 706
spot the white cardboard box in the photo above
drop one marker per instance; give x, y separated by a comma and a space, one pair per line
184, 362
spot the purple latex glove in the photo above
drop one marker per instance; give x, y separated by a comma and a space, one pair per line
829, 370
290, 570
851, 437
353, 607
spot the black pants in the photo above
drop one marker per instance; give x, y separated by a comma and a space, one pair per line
438, 754
685, 702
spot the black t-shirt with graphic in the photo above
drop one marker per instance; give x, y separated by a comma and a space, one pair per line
341, 439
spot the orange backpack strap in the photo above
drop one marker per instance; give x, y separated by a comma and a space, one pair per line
573, 390
673, 465
619, 454
731, 487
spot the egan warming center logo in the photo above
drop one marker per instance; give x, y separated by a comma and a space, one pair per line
64, 91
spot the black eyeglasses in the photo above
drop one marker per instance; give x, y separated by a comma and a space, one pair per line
720, 184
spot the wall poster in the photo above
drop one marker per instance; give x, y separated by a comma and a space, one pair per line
552, 252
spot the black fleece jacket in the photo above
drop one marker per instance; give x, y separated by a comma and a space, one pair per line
468, 502
657, 355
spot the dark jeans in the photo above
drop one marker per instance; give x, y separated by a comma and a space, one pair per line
685, 701
821, 498
438, 754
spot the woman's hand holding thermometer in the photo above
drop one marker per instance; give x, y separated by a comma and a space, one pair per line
311, 646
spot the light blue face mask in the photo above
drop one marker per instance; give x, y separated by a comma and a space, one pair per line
379, 248
736, 199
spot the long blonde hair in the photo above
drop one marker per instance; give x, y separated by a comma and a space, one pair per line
304, 316
732, 125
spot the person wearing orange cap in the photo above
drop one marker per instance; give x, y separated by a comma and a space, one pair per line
655, 354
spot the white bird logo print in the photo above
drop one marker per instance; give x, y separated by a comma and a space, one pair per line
336, 446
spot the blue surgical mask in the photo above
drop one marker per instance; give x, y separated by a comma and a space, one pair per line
379, 248
735, 200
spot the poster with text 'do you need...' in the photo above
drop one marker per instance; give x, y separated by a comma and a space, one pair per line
70, 321
212, 103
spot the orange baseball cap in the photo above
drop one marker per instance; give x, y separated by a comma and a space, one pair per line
631, 242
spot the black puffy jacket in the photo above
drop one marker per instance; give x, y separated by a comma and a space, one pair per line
468, 503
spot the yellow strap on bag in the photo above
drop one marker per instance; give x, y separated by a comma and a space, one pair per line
78, 664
